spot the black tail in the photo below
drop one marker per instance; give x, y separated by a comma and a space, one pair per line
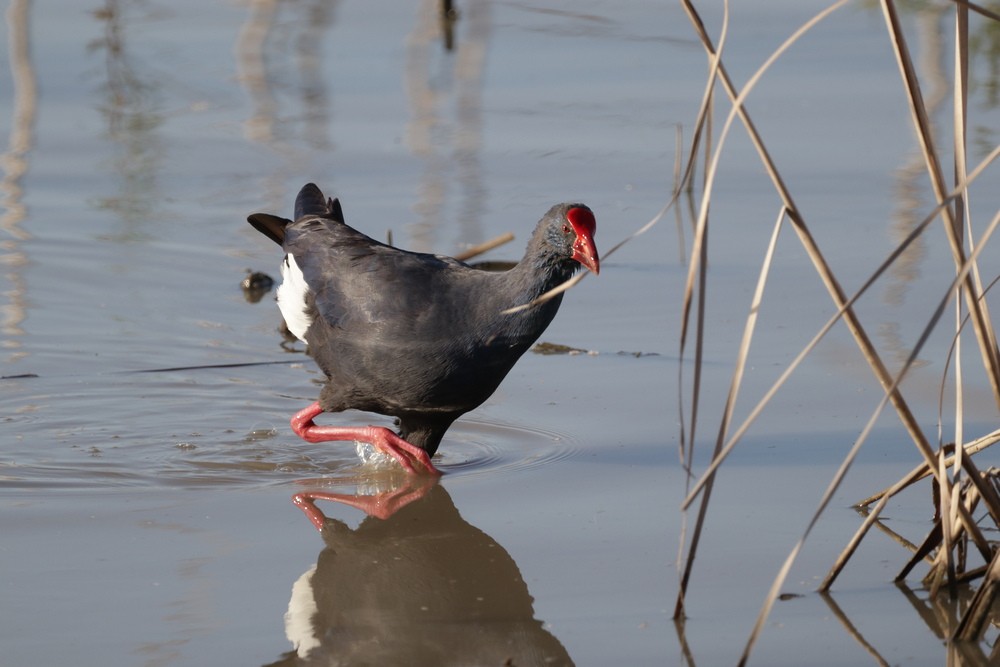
309, 202
270, 226
312, 202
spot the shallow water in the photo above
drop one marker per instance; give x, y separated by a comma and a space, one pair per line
146, 462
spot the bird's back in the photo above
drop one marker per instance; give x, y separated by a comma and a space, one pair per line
398, 332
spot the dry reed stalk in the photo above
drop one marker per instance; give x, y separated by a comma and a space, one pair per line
839, 614
679, 185
979, 9
571, 282
896, 537
805, 237
702, 136
915, 232
956, 525
964, 272
697, 266
798, 359
982, 326
923, 552
963, 220
943, 568
699, 263
966, 501
849, 459
922, 471
734, 388
957, 499
985, 489
971, 625
931, 465
485, 246
960, 516
980, 486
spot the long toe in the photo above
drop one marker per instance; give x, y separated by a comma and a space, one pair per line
404, 452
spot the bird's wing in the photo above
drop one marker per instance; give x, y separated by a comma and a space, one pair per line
359, 284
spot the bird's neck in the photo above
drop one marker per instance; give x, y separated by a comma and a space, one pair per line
532, 277
537, 273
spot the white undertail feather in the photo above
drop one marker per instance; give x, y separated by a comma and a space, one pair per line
299, 626
292, 298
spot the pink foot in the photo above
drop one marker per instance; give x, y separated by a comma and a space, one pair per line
381, 505
380, 437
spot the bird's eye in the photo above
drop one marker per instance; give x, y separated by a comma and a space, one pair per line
565, 228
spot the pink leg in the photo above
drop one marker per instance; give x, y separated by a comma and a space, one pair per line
380, 505
380, 437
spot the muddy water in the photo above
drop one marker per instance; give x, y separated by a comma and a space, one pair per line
146, 463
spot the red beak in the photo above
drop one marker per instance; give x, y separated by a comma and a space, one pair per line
585, 252
581, 219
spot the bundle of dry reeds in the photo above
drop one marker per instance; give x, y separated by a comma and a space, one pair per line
956, 549
959, 488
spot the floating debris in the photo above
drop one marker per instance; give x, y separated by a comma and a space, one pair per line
637, 355
496, 265
556, 348
256, 285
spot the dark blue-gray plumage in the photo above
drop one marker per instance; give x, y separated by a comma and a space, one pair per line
420, 337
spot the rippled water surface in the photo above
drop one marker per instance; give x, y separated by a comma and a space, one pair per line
147, 466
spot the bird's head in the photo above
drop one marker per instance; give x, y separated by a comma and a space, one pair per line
571, 229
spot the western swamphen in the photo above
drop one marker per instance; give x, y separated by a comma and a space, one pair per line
420, 337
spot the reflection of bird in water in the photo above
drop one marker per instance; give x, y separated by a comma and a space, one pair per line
420, 337
422, 587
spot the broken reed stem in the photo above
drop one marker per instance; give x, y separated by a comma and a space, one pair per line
965, 503
940, 476
855, 541
985, 489
971, 626
943, 568
922, 552
922, 470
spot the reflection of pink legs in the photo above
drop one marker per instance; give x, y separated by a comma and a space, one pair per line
380, 506
380, 437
